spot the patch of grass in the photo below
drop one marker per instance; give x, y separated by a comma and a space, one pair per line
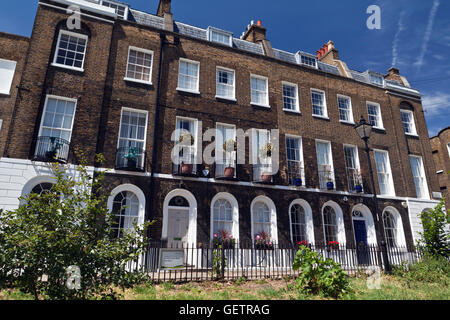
168, 286
13, 294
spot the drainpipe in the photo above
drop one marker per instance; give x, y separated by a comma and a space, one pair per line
156, 123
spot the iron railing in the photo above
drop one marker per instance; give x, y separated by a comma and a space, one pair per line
262, 173
130, 159
181, 262
51, 149
295, 173
354, 179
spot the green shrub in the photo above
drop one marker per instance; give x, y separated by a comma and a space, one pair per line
320, 276
58, 244
430, 269
435, 237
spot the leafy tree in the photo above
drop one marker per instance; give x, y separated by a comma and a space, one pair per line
49, 236
435, 236
319, 275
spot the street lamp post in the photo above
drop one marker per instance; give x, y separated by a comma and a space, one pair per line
364, 131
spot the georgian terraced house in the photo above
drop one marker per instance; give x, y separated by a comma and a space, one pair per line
125, 80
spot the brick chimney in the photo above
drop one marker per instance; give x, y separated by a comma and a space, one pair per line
164, 7
164, 11
256, 33
328, 53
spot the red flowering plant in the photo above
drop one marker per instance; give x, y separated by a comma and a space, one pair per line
223, 238
303, 243
262, 241
333, 244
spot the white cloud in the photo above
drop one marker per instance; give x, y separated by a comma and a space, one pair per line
437, 103
420, 60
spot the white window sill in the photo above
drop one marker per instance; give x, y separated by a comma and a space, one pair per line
226, 98
292, 111
412, 135
260, 105
347, 122
379, 128
440, 171
320, 117
188, 91
6, 93
67, 67
138, 81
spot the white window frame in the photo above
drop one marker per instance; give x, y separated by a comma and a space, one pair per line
234, 214
219, 146
233, 98
47, 97
73, 34
11, 75
212, 30
146, 126
151, 65
390, 182
424, 187
125, 17
302, 168
412, 124
350, 120
297, 104
375, 75
197, 91
379, 117
264, 105
330, 159
195, 134
357, 163
325, 109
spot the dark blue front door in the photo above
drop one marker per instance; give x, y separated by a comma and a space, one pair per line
361, 241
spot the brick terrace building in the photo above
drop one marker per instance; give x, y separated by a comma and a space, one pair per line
440, 145
125, 80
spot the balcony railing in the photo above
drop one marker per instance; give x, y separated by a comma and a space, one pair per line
130, 159
52, 149
262, 173
354, 180
186, 158
226, 168
295, 173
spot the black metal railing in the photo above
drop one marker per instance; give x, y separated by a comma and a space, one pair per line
226, 170
51, 149
130, 159
182, 262
295, 173
262, 173
354, 179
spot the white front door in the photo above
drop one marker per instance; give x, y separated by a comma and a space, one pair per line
178, 226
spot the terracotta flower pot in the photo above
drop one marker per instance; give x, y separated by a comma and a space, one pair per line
266, 177
186, 168
229, 172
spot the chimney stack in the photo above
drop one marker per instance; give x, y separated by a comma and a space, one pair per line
328, 53
164, 7
394, 74
255, 32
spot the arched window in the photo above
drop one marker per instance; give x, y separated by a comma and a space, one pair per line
42, 188
222, 216
390, 228
126, 211
298, 222
330, 224
261, 219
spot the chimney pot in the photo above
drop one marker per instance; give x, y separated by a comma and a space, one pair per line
259, 23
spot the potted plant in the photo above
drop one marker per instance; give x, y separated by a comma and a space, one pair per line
131, 156
328, 176
186, 168
266, 151
229, 146
223, 238
53, 149
263, 242
186, 138
358, 184
333, 245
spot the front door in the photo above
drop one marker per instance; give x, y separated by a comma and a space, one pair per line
178, 227
361, 241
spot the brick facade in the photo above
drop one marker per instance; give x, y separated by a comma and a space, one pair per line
102, 93
441, 157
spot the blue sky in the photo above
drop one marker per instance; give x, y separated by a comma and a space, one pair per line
414, 35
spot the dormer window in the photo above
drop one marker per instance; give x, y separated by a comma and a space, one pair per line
220, 36
306, 60
121, 10
376, 79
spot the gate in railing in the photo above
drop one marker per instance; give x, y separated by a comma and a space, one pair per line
184, 262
